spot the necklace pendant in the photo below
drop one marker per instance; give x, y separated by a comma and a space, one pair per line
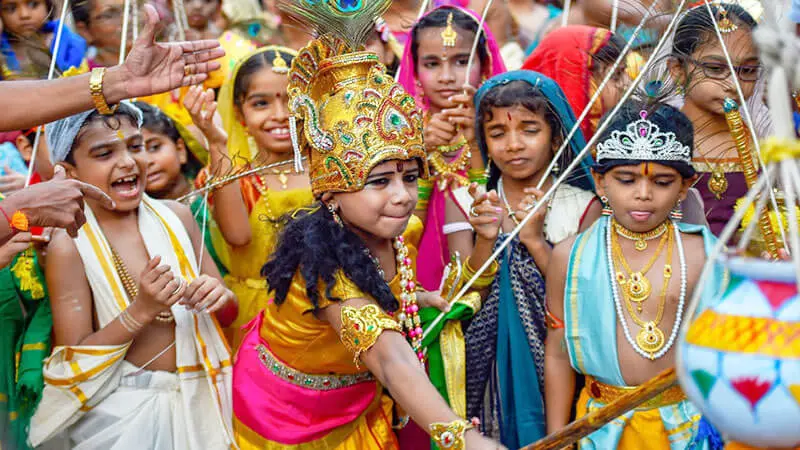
284, 180
638, 287
718, 183
650, 339
640, 245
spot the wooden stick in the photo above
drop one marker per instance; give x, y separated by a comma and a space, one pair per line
595, 420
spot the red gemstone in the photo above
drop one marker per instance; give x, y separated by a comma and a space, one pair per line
355, 325
290, 376
595, 390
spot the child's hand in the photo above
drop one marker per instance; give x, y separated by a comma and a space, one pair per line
486, 213
439, 131
159, 289
18, 243
533, 232
463, 114
11, 182
202, 107
432, 299
207, 294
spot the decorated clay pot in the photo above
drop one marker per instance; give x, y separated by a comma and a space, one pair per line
740, 360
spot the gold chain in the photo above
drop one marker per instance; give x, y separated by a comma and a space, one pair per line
130, 286
458, 164
640, 239
650, 338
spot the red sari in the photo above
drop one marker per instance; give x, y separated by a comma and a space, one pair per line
566, 56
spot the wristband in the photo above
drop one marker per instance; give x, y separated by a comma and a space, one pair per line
96, 90
18, 221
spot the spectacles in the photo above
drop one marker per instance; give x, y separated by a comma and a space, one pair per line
721, 71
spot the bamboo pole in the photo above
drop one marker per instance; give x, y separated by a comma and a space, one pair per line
595, 420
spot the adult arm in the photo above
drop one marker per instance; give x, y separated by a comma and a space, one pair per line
150, 68
559, 378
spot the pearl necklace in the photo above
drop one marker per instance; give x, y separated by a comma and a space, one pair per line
618, 303
408, 313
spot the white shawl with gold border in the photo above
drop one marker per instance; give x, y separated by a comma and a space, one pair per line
80, 377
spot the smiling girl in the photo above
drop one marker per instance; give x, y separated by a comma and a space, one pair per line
255, 116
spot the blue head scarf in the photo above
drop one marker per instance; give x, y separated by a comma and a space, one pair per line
581, 177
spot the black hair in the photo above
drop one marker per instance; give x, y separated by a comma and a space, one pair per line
81, 11
155, 121
251, 66
316, 246
666, 117
515, 93
608, 53
696, 27
461, 20
112, 122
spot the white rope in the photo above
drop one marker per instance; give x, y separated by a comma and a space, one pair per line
565, 12
745, 109
123, 45
561, 179
475, 42
598, 92
51, 72
615, 13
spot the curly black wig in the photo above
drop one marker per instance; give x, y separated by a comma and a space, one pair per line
313, 243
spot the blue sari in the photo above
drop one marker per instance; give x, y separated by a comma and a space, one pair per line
505, 340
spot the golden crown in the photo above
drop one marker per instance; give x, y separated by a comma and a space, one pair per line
348, 115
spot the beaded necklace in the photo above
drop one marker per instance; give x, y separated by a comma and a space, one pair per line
618, 303
131, 289
261, 186
408, 313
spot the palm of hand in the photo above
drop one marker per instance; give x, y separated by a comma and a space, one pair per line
154, 68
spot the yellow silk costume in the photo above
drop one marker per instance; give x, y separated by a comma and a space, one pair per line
311, 346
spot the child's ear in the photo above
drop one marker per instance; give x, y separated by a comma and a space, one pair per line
24, 147
71, 171
677, 70
598, 183
180, 147
686, 184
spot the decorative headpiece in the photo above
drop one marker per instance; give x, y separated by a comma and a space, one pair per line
279, 64
725, 24
449, 34
643, 140
347, 114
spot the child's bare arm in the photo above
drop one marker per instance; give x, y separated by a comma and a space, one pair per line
229, 210
559, 378
72, 302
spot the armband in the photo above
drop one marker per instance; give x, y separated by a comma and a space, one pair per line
450, 435
362, 326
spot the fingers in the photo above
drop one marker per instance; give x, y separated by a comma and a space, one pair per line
191, 98
94, 193
438, 302
59, 173
147, 273
212, 298
148, 35
204, 61
198, 291
191, 80
201, 47
476, 194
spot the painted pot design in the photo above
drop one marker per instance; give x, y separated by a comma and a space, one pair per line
740, 360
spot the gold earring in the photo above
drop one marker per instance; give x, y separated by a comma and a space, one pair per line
336, 218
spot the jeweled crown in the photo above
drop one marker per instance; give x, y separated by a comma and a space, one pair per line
348, 115
643, 140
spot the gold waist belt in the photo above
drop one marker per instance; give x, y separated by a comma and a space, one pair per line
316, 382
606, 393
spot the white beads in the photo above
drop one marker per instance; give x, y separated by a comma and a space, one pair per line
618, 303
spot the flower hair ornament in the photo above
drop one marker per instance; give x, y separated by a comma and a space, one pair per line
643, 140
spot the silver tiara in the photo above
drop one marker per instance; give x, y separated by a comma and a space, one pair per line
643, 141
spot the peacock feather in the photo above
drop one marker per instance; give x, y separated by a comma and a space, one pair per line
351, 21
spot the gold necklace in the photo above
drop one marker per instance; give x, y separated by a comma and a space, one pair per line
261, 186
640, 239
650, 338
458, 164
130, 286
635, 285
283, 177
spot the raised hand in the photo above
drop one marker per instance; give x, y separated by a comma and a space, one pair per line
439, 131
152, 67
207, 294
533, 232
486, 213
159, 289
56, 203
463, 114
201, 107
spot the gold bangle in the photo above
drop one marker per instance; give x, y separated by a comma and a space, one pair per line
486, 278
96, 90
450, 435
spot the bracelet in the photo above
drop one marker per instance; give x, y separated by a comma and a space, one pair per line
450, 435
478, 176
96, 90
127, 321
486, 278
18, 221
422, 205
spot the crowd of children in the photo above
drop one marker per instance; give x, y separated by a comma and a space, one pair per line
284, 235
